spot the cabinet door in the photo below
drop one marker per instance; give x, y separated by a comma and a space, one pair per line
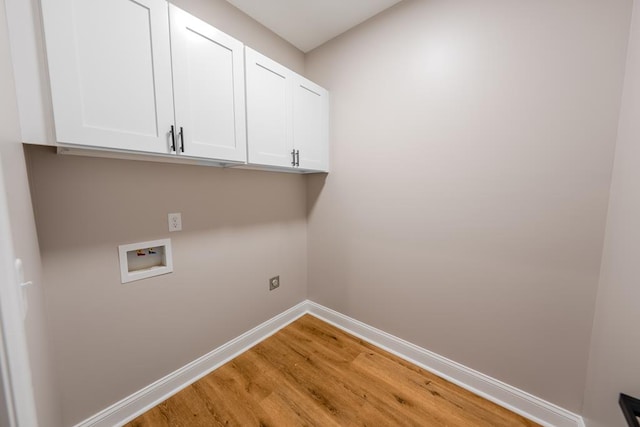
311, 124
269, 104
208, 84
110, 70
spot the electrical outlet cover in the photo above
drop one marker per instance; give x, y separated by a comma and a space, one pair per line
274, 283
175, 222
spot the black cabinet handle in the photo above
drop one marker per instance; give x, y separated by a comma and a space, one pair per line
181, 139
173, 139
298, 158
293, 158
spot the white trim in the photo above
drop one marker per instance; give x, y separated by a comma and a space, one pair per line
141, 401
15, 370
518, 401
113, 153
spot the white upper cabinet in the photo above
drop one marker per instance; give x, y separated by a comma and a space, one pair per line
144, 76
310, 125
269, 111
287, 117
110, 70
208, 87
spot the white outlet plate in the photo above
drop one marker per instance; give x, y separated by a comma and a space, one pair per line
175, 222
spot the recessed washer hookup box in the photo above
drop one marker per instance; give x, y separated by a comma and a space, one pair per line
145, 259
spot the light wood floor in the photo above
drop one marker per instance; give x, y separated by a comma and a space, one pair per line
313, 374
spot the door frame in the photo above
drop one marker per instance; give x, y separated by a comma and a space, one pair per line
14, 354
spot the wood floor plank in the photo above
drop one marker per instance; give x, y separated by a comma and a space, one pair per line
352, 389
313, 374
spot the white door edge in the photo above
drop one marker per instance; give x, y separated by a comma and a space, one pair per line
14, 355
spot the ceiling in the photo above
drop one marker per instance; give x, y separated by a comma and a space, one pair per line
307, 24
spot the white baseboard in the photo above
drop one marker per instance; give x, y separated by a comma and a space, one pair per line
518, 401
525, 404
141, 401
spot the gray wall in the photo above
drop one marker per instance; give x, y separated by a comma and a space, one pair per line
24, 237
239, 229
472, 147
615, 346
236, 23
